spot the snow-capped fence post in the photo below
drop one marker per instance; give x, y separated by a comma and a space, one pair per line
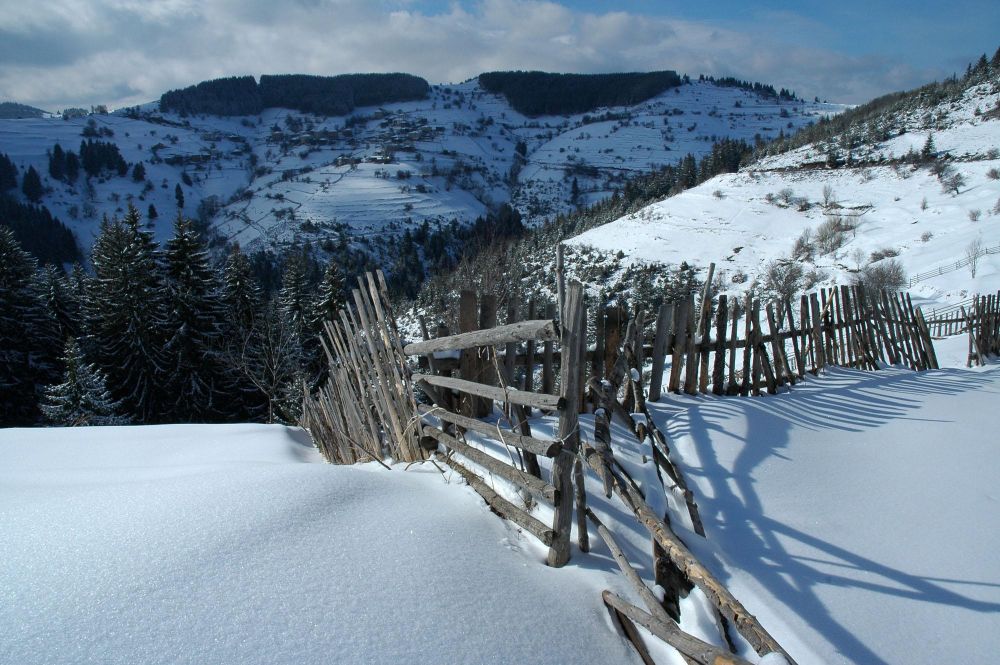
573, 326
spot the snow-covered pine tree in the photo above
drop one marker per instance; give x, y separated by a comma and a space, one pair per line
295, 296
241, 303
125, 316
82, 398
61, 301
331, 297
28, 339
329, 302
193, 326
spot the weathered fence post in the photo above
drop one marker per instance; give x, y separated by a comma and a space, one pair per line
569, 434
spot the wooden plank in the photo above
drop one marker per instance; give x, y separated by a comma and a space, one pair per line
663, 320
719, 370
537, 487
748, 349
522, 441
691, 364
695, 649
502, 506
932, 355
817, 333
678, 339
781, 370
569, 432
705, 346
536, 400
512, 333
731, 608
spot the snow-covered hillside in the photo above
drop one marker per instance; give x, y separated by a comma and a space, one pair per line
285, 177
745, 221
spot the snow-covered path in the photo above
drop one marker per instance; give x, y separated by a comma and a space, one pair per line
857, 517
230, 544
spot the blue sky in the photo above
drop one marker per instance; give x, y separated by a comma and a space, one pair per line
80, 52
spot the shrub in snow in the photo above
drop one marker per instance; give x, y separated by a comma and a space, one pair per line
832, 234
886, 275
803, 248
975, 214
783, 279
926, 235
993, 174
953, 183
82, 398
884, 253
813, 277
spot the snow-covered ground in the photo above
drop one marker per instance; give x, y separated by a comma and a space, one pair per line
744, 221
235, 544
854, 516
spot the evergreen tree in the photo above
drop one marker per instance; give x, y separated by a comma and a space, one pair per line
61, 301
193, 328
179, 195
294, 302
151, 214
27, 336
57, 163
125, 316
138, 172
331, 296
8, 174
32, 185
72, 167
82, 398
928, 152
241, 302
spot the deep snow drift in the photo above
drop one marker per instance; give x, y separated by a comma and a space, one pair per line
233, 544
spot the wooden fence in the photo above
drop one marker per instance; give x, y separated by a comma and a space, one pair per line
978, 316
981, 320
957, 265
367, 409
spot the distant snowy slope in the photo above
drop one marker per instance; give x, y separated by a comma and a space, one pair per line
745, 221
233, 544
285, 177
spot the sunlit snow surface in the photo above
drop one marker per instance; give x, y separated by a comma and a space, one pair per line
232, 544
857, 516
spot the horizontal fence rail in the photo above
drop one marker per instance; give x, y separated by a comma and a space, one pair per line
951, 267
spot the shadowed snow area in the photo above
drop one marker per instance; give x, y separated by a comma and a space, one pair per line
234, 544
856, 516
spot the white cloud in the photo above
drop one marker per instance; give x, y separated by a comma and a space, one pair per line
71, 52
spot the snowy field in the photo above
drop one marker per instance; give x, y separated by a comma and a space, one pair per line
236, 544
855, 516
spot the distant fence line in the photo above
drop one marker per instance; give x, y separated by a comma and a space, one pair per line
951, 267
